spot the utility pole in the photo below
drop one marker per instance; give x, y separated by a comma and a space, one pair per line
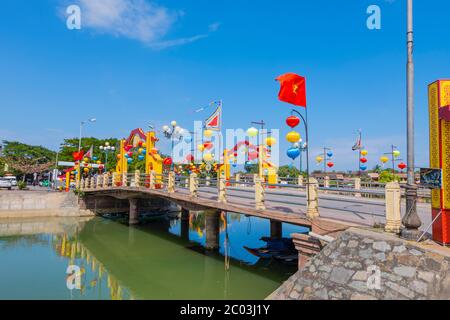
411, 220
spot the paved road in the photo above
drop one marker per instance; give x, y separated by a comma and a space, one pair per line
338, 207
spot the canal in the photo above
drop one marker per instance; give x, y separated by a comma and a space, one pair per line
155, 260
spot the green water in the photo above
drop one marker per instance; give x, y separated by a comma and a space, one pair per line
151, 261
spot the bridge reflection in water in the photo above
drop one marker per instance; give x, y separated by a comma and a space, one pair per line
164, 259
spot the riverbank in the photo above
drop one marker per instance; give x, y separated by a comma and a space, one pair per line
35, 204
371, 265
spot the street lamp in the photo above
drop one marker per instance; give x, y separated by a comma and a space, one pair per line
82, 123
107, 148
173, 132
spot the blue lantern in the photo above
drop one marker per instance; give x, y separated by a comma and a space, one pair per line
130, 160
144, 151
234, 165
126, 155
293, 153
363, 168
141, 157
329, 154
94, 158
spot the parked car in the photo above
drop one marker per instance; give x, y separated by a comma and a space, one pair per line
12, 179
5, 184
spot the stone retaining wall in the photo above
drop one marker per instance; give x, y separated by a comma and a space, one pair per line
366, 264
28, 204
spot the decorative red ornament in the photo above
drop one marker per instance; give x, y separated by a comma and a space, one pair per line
167, 161
130, 154
292, 121
128, 147
402, 165
330, 164
140, 143
363, 160
208, 145
101, 167
190, 158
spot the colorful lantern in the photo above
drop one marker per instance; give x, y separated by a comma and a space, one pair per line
190, 158
271, 141
252, 132
130, 154
208, 145
154, 151
402, 165
129, 160
384, 159
396, 153
293, 137
207, 157
119, 156
201, 148
141, 157
293, 153
319, 159
208, 133
140, 150
86, 170
364, 153
99, 162
86, 159
330, 164
128, 147
292, 121
140, 143
168, 161
363, 160
363, 168
329, 154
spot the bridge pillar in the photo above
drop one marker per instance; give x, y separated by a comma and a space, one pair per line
152, 180
100, 178
208, 183
171, 182
259, 194
82, 184
106, 180
193, 185
276, 229
393, 215
357, 182
212, 224
137, 178
312, 199
93, 184
114, 179
124, 179
134, 215
184, 224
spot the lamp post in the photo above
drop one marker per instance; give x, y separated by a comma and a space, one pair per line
172, 132
411, 220
107, 148
260, 146
82, 123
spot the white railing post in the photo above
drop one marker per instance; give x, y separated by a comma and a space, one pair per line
106, 180
237, 178
300, 180
152, 180
92, 184
357, 186
208, 183
100, 178
393, 214
171, 182
114, 179
193, 185
259, 194
124, 179
137, 178
82, 184
221, 186
313, 200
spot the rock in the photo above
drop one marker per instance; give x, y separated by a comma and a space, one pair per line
415, 252
324, 268
322, 294
312, 269
341, 275
380, 256
367, 240
420, 287
353, 265
358, 296
352, 244
426, 276
360, 276
294, 295
381, 246
399, 249
366, 254
400, 289
359, 285
404, 271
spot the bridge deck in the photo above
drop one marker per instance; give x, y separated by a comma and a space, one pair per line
337, 212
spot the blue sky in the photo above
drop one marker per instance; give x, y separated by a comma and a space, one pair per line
135, 62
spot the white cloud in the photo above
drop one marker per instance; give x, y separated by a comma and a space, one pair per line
140, 20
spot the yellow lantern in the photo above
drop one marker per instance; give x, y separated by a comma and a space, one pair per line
252, 132
384, 159
208, 157
293, 137
140, 150
364, 153
201, 148
270, 141
319, 159
86, 170
99, 162
208, 133
396, 153
86, 159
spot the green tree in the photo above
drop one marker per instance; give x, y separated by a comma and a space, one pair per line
23, 159
288, 171
69, 146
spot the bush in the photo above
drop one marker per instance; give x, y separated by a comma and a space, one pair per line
22, 185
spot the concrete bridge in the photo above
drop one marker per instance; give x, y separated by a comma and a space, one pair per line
327, 211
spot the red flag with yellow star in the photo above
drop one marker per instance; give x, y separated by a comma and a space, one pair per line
293, 89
